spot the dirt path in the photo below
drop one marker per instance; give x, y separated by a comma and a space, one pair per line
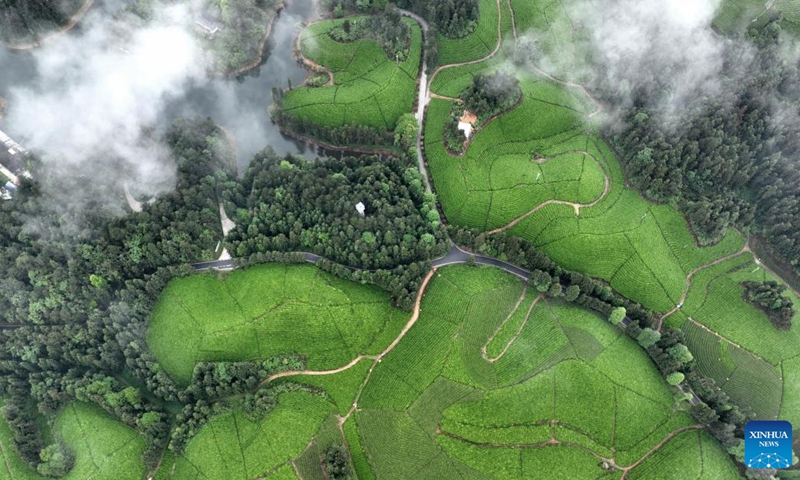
443, 97
775, 274
688, 284
576, 206
135, 205
513, 20
626, 470
483, 59
566, 83
376, 358
511, 341
5, 460
227, 223
712, 332
69, 26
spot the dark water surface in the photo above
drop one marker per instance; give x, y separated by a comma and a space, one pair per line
238, 104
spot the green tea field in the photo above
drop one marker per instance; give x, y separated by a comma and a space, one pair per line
103, 447
736, 345
519, 176
265, 311
368, 88
446, 401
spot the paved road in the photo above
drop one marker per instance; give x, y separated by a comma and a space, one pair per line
454, 256
458, 256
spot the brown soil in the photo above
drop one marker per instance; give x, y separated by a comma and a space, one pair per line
469, 117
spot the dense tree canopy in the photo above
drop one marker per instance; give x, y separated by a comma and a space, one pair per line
730, 160
289, 204
30, 20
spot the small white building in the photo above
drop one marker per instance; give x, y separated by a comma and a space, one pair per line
466, 128
466, 123
360, 208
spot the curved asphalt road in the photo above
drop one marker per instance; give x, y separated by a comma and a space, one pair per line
455, 256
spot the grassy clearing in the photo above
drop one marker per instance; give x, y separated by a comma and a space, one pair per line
264, 311
233, 447
369, 88
103, 447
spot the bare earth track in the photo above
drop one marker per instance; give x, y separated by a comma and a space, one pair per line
51, 36
576, 206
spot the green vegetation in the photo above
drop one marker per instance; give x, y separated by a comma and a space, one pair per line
547, 31
400, 224
32, 21
103, 447
477, 44
691, 454
751, 362
264, 311
234, 447
534, 159
768, 296
370, 91
735, 16
450, 402
388, 29
244, 26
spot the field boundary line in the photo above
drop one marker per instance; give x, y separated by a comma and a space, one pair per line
411, 322
688, 282
577, 206
516, 334
5, 460
508, 317
479, 60
724, 339
658, 446
513, 20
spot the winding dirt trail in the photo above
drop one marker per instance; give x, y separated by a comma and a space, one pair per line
376, 358
673, 434
513, 20
479, 60
566, 83
688, 283
77, 17
576, 206
511, 340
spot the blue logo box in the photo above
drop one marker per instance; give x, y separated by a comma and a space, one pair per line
768, 444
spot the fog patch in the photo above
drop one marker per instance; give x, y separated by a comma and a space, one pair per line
95, 98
